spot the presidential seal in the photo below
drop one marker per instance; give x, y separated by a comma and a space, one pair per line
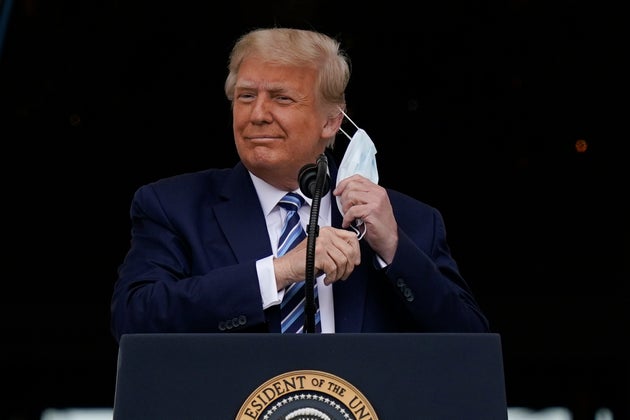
306, 395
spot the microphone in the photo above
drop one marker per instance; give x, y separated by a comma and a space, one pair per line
314, 182
309, 174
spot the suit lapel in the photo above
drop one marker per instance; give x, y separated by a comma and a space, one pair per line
241, 217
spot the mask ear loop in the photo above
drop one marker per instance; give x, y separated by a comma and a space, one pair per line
349, 138
346, 115
360, 229
348, 118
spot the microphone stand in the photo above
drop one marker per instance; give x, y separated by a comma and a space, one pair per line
322, 184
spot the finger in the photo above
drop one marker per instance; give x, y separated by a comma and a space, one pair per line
346, 257
337, 254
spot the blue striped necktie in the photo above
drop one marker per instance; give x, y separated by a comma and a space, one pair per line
292, 306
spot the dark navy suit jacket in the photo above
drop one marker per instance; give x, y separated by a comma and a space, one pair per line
191, 266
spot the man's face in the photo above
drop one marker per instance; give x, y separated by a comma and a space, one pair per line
278, 123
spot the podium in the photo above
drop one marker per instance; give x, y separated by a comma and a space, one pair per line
310, 376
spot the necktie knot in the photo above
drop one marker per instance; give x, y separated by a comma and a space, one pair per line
291, 201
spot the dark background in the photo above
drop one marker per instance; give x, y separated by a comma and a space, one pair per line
474, 107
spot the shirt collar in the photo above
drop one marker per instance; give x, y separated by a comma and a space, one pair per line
268, 195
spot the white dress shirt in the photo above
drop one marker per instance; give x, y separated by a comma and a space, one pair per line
275, 216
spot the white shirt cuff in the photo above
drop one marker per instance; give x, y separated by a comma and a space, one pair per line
267, 282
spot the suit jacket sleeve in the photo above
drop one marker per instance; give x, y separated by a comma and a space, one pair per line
426, 275
191, 266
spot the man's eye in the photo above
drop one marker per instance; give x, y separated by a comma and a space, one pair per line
245, 97
284, 99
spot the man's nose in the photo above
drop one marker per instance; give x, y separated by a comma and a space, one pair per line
261, 111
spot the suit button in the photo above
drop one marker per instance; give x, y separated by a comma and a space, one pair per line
222, 326
409, 295
242, 320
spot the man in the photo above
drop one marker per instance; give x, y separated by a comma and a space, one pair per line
204, 254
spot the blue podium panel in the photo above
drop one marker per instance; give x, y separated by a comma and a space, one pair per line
346, 376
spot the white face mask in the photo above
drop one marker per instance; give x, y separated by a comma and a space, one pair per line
359, 158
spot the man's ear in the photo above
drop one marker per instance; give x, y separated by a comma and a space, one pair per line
332, 125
